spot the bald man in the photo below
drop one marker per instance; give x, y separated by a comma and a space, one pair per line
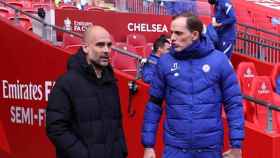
83, 112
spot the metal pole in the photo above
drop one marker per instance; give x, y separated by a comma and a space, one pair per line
269, 122
17, 17
44, 32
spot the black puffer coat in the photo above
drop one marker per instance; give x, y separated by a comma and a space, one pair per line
83, 113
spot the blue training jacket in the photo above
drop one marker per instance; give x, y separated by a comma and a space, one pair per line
194, 84
225, 14
148, 70
212, 34
178, 7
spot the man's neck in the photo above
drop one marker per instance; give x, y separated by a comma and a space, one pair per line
157, 54
98, 71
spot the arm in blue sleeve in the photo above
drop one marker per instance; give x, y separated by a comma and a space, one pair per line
148, 72
232, 99
153, 109
230, 14
150, 125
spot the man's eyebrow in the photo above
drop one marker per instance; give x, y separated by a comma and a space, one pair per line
103, 43
177, 32
100, 44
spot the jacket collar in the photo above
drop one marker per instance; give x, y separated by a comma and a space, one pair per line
78, 62
197, 49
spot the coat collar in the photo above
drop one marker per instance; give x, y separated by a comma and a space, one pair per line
78, 62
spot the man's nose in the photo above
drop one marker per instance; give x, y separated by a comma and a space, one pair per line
172, 38
107, 49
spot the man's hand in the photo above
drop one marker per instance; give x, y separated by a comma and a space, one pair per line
233, 153
143, 61
215, 24
149, 153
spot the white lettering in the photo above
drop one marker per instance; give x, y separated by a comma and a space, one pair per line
48, 86
164, 29
263, 91
130, 27
143, 27
13, 117
40, 93
155, 27
4, 87
84, 28
25, 92
137, 27
28, 116
41, 116
18, 112
77, 28
12, 91
81, 26
22, 91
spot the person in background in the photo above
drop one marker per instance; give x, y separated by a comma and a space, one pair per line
211, 32
224, 21
277, 89
81, 4
175, 7
57, 3
161, 46
83, 114
195, 80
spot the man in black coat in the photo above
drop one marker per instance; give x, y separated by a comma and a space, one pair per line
83, 113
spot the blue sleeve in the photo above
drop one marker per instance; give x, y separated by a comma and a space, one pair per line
148, 72
158, 83
232, 101
153, 111
230, 14
277, 84
150, 125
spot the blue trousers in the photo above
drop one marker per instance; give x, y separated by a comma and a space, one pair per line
173, 152
226, 47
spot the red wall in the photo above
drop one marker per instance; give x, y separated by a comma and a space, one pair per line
27, 59
119, 24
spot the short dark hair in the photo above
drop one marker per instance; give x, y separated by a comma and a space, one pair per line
193, 22
160, 42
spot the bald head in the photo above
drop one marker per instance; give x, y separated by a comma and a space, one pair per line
95, 32
97, 46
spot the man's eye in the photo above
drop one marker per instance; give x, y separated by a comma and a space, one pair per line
178, 32
100, 44
109, 44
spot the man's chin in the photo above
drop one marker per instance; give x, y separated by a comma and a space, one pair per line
104, 64
101, 65
178, 49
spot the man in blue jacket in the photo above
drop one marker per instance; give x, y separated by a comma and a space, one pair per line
195, 80
224, 21
160, 47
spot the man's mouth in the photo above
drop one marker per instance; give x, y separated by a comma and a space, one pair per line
104, 58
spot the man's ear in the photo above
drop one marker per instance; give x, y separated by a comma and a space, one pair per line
85, 48
195, 35
159, 51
